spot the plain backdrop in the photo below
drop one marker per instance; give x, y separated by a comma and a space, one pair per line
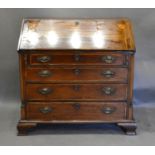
144, 85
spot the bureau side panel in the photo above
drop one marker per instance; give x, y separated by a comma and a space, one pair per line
22, 60
130, 94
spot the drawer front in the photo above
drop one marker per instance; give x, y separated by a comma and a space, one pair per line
76, 111
67, 92
77, 74
74, 59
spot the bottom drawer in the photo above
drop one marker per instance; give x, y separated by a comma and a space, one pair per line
76, 111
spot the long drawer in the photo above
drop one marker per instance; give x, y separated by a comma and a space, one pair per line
77, 74
97, 92
74, 58
75, 111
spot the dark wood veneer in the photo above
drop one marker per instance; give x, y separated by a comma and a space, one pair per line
76, 92
61, 82
75, 111
77, 74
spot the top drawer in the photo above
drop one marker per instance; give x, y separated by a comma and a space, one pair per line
73, 58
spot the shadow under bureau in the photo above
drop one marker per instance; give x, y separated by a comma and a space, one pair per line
76, 71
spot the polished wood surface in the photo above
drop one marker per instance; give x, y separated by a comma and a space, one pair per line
76, 71
110, 34
76, 74
76, 92
77, 58
76, 111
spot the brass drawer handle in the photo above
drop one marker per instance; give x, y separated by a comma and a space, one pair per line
45, 73
108, 59
108, 73
108, 110
44, 59
45, 91
46, 110
108, 90
77, 71
76, 106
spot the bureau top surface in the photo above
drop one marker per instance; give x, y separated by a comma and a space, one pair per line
80, 34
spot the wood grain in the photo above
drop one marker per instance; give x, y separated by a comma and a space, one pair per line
76, 92
76, 74
77, 58
114, 34
68, 111
76, 71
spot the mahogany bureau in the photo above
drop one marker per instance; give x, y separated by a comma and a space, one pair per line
76, 71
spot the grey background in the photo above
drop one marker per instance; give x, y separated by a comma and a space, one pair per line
144, 88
